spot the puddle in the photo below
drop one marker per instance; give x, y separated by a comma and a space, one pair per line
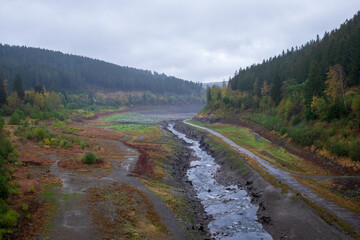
234, 216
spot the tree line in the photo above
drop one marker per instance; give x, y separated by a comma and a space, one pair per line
310, 93
58, 71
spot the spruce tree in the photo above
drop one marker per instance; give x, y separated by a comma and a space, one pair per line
18, 88
315, 84
3, 95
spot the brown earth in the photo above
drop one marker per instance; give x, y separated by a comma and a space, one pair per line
42, 166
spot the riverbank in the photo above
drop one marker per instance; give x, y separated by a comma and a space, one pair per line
285, 215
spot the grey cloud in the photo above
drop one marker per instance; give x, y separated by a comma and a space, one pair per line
195, 40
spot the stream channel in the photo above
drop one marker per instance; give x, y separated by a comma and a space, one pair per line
233, 214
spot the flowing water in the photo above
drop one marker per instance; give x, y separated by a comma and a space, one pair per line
234, 216
285, 177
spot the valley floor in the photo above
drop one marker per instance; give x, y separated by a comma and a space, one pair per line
294, 174
138, 188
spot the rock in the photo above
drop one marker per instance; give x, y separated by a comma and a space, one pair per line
265, 220
209, 190
255, 195
200, 227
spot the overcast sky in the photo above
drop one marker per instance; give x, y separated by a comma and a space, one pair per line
198, 40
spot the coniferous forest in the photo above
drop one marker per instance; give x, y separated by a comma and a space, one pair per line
309, 93
58, 71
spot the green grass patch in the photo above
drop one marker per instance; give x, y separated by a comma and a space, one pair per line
247, 138
196, 123
134, 128
48, 194
131, 117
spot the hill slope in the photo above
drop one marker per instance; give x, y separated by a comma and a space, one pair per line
310, 94
58, 71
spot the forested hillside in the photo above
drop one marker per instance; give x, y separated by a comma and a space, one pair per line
57, 71
309, 93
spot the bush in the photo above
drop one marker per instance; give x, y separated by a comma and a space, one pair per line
89, 158
65, 143
16, 117
295, 120
9, 219
40, 134
25, 207
354, 150
5, 148
34, 133
4, 190
337, 147
283, 130
302, 134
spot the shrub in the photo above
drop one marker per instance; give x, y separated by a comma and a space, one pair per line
302, 134
337, 147
295, 120
15, 118
40, 134
89, 158
65, 143
5, 148
25, 207
283, 130
354, 150
9, 219
34, 133
4, 190
83, 145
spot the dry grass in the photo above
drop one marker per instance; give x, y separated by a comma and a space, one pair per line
124, 212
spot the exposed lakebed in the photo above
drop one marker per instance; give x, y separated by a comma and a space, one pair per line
233, 214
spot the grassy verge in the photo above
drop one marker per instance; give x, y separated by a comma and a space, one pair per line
265, 149
321, 187
238, 162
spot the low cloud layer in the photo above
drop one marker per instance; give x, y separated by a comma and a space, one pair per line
194, 40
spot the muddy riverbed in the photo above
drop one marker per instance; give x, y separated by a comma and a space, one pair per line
233, 214
283, 215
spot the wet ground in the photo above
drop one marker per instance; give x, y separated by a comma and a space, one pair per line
77, 203
233, 214
285, 177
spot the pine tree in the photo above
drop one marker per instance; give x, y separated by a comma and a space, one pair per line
208, 94
315, 85
3, 95
275, 91
18, 88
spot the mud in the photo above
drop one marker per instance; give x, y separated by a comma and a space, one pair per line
180, 163
284, 216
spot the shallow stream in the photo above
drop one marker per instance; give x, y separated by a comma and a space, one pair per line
233, 214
